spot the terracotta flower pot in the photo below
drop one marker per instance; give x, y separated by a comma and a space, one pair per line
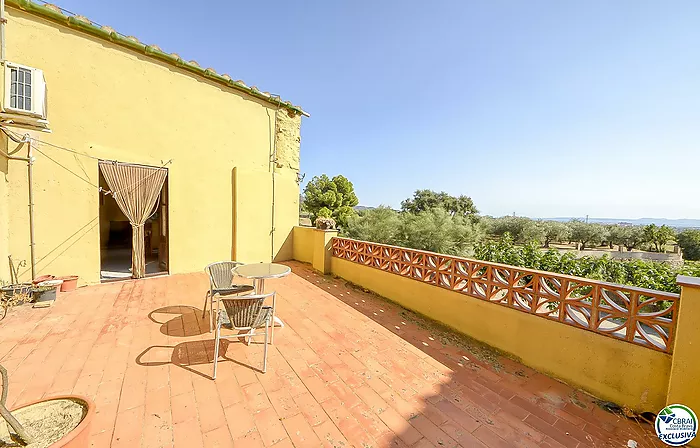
79, 437
70, 282
42, 278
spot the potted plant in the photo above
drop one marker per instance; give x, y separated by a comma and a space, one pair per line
16, 288
12, 295
57, 422
323, 223
70, 282
45, 292
43, 278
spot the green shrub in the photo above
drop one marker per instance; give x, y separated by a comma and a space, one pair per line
434, 230
640, 273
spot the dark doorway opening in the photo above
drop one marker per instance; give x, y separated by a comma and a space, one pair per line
116, 233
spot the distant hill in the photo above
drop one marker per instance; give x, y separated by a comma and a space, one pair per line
678, 223
359, 208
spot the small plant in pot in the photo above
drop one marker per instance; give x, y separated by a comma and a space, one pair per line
60, 422
324, 223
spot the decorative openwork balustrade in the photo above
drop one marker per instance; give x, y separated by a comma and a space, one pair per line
640, 316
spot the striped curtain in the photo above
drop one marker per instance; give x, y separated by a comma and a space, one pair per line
136, 189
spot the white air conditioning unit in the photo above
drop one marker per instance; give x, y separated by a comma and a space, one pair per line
24, 101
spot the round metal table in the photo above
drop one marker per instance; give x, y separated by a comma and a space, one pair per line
260, 272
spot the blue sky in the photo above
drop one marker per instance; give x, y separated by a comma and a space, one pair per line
542, 108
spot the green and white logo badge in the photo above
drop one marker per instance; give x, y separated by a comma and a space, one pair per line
676, 425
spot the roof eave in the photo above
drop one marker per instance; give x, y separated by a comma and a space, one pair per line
153, 51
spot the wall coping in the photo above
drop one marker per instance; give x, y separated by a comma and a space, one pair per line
686, 280
319, 230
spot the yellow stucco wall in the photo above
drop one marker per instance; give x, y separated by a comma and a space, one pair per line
304, 244
323, 249
287, 213
253, 239
112, 103
312, 245
613, 370
685, 371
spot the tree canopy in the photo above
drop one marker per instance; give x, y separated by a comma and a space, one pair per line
436, 230
330, 198
689, 241
658, 236
554, 231
424, 200
587, 234
433, 230
628, 236
519, 228
379, 225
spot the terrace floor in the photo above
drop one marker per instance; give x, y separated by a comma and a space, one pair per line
349, 369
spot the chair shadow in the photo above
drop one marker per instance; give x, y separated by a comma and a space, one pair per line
188, 356
187, 322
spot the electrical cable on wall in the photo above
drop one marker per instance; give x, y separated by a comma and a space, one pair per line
69, 170
13, 135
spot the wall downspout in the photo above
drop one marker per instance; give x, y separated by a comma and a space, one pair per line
273, 161
30, 176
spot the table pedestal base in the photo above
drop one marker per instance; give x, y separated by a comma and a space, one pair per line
259, 285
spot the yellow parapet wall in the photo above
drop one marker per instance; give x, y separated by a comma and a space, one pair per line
610, 369
312, 245
304, 244
685, 372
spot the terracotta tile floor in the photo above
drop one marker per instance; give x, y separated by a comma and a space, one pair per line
349, 369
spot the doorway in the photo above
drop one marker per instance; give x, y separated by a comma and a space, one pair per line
116, 237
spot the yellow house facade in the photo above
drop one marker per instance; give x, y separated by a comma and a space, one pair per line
231, 152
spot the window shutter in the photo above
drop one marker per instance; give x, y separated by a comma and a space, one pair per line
8, 83
38, 93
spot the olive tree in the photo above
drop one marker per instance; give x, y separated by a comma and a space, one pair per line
628, 236
554, 231
436, 230
425, 200
586, 234
521, 229
379, 225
